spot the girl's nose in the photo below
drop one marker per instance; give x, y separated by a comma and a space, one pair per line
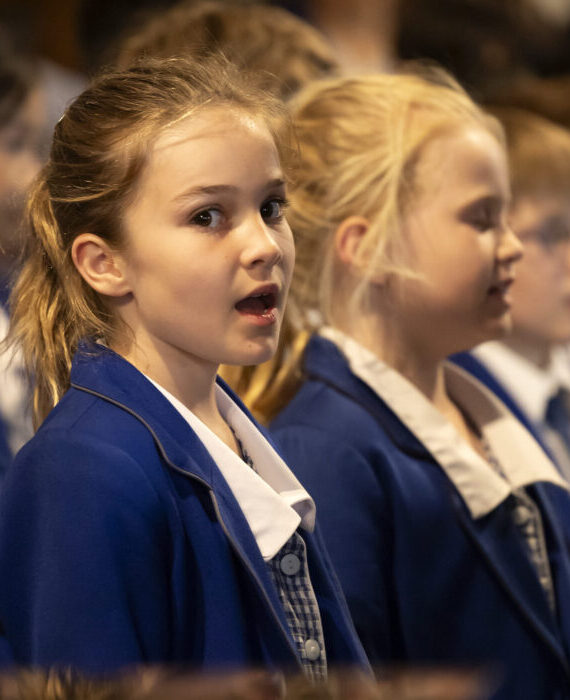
261, 248
510, 247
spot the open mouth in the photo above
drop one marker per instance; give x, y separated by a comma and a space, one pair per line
501, 288
261, 304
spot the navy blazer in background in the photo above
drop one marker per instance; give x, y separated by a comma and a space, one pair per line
425, 582
121, 543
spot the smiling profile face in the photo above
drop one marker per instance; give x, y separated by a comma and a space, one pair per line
460, 245
208, 254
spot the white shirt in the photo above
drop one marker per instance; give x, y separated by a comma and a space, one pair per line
271, 498
521, 458
531, 388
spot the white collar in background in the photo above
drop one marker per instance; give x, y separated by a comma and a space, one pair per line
273, 501
530, 386
521, 458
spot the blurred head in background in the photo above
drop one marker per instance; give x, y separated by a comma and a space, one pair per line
21, 123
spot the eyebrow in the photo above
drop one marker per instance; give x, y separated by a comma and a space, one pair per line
223, 189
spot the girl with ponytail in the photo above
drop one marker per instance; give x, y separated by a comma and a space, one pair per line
149, 520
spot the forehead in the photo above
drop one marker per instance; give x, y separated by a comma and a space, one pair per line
211, 125
530, 210
464, 157
212, 147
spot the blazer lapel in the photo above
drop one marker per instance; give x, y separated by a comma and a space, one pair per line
110, 377
513, 571
555, 507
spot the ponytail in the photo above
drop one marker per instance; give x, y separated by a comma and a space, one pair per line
49, 308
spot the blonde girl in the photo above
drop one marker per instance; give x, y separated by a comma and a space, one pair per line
529, 369
438, 508
132, 528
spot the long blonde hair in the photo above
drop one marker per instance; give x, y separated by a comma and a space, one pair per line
359, 140
99, 150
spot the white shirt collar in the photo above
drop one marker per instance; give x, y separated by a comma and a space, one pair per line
273, 501
530, 386
521, 458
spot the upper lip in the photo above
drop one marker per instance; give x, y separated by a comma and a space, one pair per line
503, 283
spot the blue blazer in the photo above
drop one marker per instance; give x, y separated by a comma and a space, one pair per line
124, 544
425, 582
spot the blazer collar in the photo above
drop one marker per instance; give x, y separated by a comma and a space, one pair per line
98, 370
325, 362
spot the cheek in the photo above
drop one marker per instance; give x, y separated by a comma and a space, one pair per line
538, 275
289, 259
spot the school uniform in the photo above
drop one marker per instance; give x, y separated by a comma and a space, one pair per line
431, 545
532, 393
125, 544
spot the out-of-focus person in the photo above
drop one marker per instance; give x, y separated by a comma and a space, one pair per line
529, 369
22, 119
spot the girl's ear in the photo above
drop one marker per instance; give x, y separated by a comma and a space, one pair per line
348, 240
99, 265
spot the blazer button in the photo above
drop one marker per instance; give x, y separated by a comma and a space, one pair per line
290, 564
312, 649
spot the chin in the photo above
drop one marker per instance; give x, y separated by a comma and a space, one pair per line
254, 355
500, 328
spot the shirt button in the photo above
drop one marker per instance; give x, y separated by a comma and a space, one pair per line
521, 515
312, 649
290, 564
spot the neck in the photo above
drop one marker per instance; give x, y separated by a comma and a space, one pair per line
412, 361
381, 333
538, 353
187, 378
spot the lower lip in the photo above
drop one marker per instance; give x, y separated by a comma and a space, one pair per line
502, 296
267, 318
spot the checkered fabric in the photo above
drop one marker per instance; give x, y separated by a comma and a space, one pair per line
529, 521
300, 605
290, 574
526, 516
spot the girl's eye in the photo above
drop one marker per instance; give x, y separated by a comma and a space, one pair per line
483, 223
483, 215
273, 209
550, 233
207, 218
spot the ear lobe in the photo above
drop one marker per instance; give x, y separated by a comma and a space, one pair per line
99, 265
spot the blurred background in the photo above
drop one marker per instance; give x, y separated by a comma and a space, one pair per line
512, 51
